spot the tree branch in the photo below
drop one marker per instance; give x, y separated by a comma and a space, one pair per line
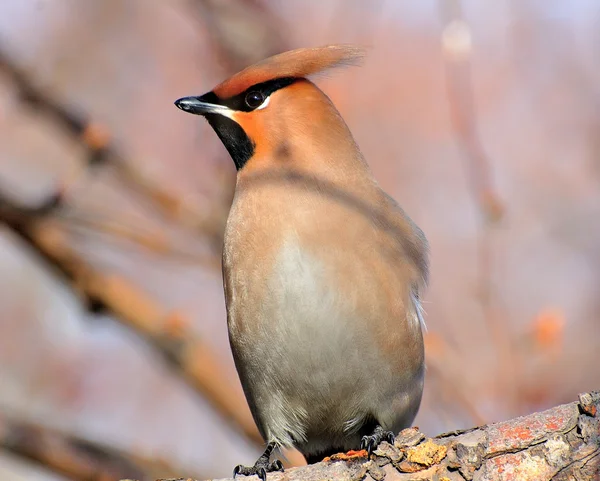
74, 457
457, 51
560, 444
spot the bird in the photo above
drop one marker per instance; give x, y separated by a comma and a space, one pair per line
322, 269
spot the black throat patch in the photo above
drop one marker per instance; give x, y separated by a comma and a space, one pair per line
238, 144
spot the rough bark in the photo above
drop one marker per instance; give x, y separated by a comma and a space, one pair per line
560, 444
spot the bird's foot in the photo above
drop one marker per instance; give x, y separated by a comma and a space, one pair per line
261, 467
370, 443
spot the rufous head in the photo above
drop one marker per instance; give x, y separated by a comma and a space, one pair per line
267, 108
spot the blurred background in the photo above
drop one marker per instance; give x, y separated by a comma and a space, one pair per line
481, 119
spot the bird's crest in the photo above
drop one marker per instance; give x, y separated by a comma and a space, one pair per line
295, 63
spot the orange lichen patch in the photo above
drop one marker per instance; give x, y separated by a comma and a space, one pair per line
548, 328
295, 63
524, 431
518, 467
426, 454
96, 135
352, 454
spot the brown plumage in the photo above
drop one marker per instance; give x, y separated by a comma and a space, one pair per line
321, 268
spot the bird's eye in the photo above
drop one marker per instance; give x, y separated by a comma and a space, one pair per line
254, 99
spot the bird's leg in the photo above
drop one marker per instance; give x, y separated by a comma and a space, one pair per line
370, 442
262, 466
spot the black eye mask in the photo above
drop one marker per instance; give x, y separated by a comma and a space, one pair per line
251, 98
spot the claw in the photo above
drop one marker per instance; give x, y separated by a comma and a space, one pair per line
370, 443
262, 474
237, 470
277, 465
371, 446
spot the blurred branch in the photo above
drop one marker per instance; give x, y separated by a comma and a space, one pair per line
358, 20
442, 366
560, 444
153, 240
457, 49
168, 332
95, 138
75, 458
241, 32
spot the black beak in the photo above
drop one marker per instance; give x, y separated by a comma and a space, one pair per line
194, 105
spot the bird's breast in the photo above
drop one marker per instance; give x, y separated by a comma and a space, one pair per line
317, 313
